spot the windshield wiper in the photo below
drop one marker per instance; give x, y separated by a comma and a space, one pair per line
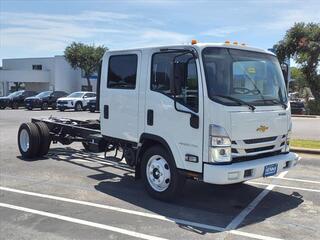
278, 102
239, 101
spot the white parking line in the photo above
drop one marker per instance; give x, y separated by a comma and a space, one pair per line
143, 214
281, 175
82, 222
298, 180
242, 215
133, 212
288, 187
253, 235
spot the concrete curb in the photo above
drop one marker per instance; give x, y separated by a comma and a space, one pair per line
305, 116
305, 150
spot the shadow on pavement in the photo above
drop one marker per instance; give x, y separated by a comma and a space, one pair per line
199, 202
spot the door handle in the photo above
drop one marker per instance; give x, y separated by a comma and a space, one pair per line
150, 117
106, 112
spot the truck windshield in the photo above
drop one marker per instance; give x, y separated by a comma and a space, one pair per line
251, 77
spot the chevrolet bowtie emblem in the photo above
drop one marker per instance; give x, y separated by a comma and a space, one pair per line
262, 128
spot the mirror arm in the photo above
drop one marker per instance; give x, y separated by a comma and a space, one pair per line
192, 115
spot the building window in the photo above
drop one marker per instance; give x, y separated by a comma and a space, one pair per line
37, 67
162, 77
122, 71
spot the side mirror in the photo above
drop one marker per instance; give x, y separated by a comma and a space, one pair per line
179, 77
285, 72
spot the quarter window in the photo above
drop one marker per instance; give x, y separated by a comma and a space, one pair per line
162, 77
122, 71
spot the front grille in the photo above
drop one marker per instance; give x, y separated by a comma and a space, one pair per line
254, 157
260, 140
233, 150
259, 149
62, 102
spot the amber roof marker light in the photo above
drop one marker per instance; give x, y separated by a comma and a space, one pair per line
194, 41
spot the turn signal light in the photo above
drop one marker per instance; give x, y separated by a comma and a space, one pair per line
235, 43
227, 42
193, 41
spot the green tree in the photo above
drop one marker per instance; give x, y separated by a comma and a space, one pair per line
85, 57
298, 77
302, 43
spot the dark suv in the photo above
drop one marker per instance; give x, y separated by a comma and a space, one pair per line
44, 100
15, 99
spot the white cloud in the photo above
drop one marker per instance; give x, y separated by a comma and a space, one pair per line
41, 32
223, 31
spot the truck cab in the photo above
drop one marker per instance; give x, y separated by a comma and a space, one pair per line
218, 113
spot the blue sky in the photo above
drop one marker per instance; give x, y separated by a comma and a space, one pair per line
40, 28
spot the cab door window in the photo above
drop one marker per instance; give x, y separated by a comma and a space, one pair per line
162, 77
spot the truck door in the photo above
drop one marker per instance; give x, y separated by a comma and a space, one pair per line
180, 129
119, 95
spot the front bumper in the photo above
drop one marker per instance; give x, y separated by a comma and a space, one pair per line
243, 171
65, 105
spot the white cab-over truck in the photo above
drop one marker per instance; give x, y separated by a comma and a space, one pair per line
217, 113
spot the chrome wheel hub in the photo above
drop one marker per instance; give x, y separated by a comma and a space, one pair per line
158, 173
24, 140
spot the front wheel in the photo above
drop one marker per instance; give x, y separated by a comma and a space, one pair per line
78, 106
160, 175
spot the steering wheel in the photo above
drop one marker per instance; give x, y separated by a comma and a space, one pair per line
243, 90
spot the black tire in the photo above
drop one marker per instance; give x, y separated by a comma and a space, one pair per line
92, 110
33, 137
15, 105
78, 106
29, 108
54, 106
176, 180
44, 106
2, 107
61, 109
45, 139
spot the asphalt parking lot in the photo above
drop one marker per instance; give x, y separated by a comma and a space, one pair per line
72, 194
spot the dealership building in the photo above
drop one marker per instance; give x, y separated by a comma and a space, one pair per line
40, 74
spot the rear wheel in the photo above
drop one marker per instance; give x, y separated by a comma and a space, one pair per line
29, 108
28, 140
44, 106
15, 105
160, 175
45, 139
78, 106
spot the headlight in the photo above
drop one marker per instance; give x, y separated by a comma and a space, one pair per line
287, 143
220, 145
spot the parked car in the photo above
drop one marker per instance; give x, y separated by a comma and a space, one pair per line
44, 100
297, 107
77, 101
15, 99
92, 105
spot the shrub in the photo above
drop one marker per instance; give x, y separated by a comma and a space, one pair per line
314, 107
